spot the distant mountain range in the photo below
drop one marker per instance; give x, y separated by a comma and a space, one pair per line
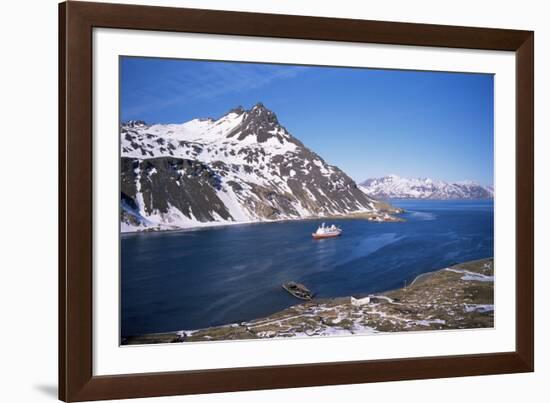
393, 186
242, 167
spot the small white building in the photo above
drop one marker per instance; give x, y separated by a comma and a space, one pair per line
360, 301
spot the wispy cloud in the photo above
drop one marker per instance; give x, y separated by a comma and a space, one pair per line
202, 81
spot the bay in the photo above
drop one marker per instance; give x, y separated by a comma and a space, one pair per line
191, 279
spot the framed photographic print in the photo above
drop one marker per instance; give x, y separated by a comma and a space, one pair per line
252, 201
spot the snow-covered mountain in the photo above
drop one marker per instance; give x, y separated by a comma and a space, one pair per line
393, 186
242, 167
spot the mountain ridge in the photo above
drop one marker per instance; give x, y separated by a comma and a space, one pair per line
396, 187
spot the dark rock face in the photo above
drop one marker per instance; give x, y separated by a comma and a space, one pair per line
164, 182
260, 121
244, 166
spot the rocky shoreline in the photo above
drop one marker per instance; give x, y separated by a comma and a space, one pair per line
457, 297
386, 213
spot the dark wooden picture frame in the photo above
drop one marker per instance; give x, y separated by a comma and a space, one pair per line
76, 23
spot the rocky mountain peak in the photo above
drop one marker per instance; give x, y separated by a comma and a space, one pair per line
260, 113
242, 167
261, 122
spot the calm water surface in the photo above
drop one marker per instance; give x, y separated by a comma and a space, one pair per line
199, 278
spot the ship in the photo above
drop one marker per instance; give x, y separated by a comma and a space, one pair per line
298, 290
327, 232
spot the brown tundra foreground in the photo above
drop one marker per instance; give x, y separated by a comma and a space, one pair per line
457, 297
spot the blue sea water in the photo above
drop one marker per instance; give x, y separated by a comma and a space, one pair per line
205, 277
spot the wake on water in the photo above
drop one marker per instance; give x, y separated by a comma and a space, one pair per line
422, 215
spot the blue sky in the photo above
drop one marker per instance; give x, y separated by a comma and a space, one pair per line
368, 122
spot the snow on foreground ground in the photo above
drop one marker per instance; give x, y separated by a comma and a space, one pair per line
459, 297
